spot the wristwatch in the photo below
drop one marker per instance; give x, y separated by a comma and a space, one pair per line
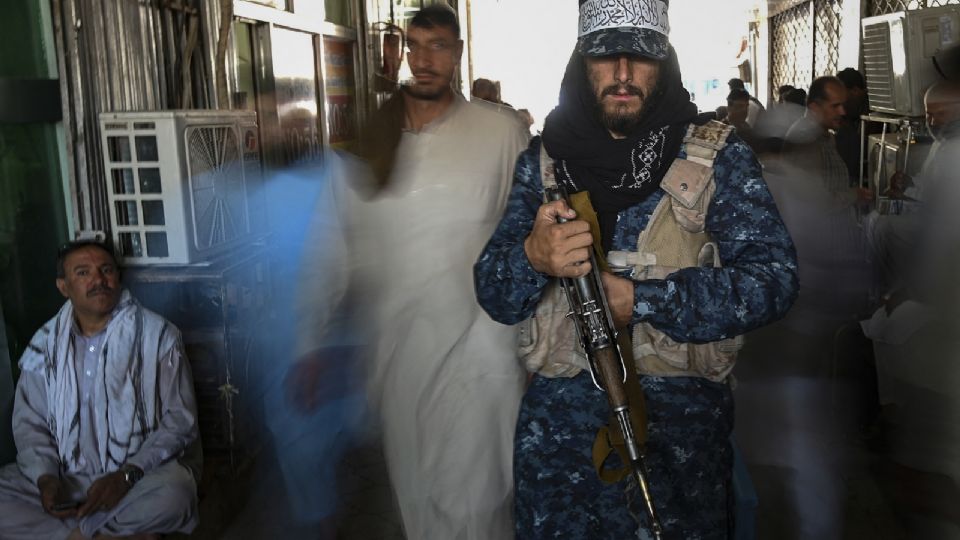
131, 474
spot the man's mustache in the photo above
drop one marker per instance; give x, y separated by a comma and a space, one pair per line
618, 89
99, 289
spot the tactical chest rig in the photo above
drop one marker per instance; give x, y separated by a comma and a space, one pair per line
674, 238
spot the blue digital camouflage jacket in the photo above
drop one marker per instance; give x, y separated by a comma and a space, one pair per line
756, 284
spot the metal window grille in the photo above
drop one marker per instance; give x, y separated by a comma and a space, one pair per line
792, 46
826, 45
806, 42
882, 7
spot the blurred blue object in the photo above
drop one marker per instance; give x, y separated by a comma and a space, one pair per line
309, 446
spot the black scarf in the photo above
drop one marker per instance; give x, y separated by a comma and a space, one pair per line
618, 173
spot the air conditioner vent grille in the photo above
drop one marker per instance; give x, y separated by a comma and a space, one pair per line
877, 67
216, 185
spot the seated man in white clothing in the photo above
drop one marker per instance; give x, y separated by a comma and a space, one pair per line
105, 419
895, 238
915, 335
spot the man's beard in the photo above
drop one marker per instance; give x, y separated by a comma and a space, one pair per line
621, 121
426, 94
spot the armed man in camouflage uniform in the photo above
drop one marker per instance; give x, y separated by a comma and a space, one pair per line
622, 123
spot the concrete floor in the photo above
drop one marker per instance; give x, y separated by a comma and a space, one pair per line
367, 508
818, 471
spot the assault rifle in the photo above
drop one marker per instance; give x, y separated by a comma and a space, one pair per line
598, 336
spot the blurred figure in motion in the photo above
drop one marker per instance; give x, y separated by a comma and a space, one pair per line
486, 90
390, 249
821, 209
527, 119
486, 93
895, 237
942, 106
738, 107
915, 332
811, 140
848, 134
796, 96
721, 113
311, 433
755, 109
782, 92
775, 123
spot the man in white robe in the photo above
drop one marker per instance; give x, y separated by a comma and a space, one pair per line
895, 237
104, 411
443, 377
915, 333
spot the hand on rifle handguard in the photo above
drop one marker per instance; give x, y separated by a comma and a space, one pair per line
619, 292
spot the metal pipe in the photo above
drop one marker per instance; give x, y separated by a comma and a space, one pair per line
883, 148
79, 211
863, 148
908, 143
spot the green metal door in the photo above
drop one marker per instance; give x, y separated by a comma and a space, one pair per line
33, 215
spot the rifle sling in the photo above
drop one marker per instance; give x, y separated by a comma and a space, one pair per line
580, 203
609, 439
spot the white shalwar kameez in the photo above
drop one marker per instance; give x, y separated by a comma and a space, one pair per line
137, 407
443, 376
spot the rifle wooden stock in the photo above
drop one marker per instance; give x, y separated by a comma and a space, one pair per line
611, 375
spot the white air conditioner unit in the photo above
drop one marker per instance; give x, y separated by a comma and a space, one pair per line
182, 185
897, 56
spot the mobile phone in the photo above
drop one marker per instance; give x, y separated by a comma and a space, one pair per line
66, 505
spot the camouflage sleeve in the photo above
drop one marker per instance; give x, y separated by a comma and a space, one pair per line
507, 287
758, 281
